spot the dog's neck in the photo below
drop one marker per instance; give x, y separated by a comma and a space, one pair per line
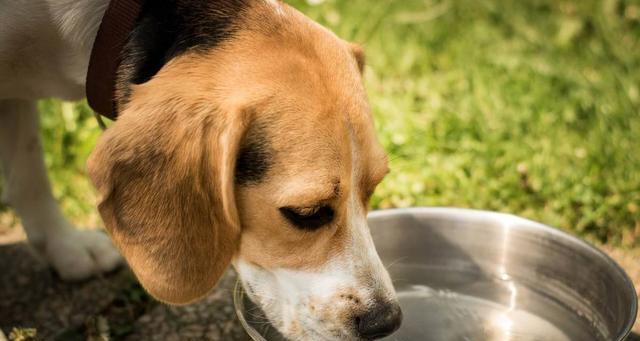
47, 54
168, 29
143, 35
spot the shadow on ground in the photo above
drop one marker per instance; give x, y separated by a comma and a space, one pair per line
31, 296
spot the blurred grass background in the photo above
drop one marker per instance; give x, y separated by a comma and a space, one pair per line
527, 107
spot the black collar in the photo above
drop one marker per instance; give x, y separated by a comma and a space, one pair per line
117, 23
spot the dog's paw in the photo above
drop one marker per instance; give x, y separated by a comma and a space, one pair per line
78, 255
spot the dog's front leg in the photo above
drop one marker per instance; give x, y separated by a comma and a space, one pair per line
74, 254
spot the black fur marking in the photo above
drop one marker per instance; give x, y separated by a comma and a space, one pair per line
168, 28
255, 157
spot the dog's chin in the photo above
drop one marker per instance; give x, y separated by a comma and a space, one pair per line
296, 325
308, 329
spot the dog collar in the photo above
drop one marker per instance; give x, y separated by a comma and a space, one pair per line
118, 21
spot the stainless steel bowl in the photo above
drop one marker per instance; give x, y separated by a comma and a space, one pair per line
476, 275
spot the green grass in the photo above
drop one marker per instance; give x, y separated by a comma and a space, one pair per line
528, 107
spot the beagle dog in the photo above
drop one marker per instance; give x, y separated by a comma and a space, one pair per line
243, 137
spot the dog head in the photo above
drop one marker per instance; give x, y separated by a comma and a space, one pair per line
258, 152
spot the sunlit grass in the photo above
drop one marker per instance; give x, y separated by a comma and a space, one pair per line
529, 107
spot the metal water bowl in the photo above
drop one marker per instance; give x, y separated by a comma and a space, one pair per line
475, 275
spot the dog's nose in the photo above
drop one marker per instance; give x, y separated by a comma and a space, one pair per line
382, 320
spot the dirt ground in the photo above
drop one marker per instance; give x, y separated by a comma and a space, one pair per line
31, 296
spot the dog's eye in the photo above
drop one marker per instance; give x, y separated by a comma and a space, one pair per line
308, 218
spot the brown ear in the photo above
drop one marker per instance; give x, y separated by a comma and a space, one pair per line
165, 179
358, 54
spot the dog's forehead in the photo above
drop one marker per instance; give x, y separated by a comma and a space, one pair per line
280, 54
312, 152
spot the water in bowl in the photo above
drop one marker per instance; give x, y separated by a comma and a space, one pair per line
458, 306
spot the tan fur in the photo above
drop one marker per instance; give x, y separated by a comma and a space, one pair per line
164, 170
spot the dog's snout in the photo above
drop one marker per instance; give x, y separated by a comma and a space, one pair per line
382, 320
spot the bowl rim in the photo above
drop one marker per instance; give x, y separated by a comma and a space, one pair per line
467, 213
238, 305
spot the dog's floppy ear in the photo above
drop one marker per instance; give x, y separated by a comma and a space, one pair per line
358, 54
165, 180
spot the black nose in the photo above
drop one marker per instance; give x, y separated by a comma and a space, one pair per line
380, 321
